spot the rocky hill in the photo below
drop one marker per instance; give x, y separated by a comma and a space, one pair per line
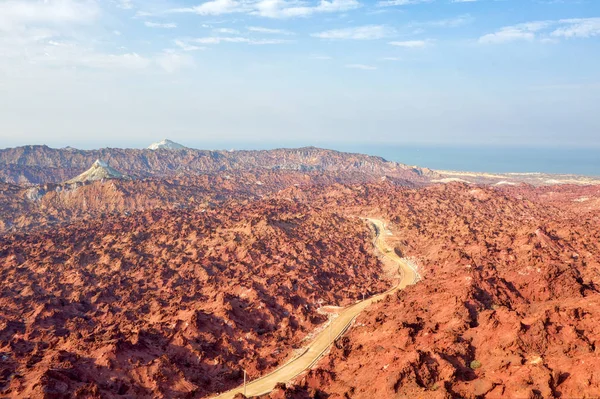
42, 164
172, 303
50, 205
166, 145
168, 284
100, 170
506, 307
575, 198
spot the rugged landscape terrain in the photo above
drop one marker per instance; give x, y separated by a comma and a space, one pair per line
507, 307
23, 208
42, 164
166, 303
200, 264
514, 179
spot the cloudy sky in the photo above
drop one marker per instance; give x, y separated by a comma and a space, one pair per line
97, 73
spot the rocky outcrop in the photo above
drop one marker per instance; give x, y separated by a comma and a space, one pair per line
41, 164
169, 303
505, 309
100, 170
50, 205
175, 298
575, 198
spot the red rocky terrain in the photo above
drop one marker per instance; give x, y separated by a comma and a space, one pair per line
172, 303
25, 208
578, 199
168, 287
507, 307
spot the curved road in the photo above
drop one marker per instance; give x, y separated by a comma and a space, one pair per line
336, 328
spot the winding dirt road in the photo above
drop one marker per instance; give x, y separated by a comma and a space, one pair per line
336, 328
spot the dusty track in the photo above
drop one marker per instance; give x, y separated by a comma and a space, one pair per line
336, 328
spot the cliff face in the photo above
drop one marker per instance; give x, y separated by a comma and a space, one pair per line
506, 308
41, 164
168, 303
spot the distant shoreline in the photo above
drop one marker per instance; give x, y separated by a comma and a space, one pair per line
511, 179
569, 163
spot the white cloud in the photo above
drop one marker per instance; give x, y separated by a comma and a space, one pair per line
267, 41
525, 31
65, 54
259, 29
508, 34
237, 39
219, 39
361, 66
368, 32
392, 3
27, 27
125, 4
545, 31
270, 8
215, 7
20, 14
187, 47
168, 25
59, 54
51, 35
578, 27
45, 33
291, 9
410, 43
227, 31
534, 26
445, 23
113, 61
69, 55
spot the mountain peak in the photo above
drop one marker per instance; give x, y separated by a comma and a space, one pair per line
99, 171
167, 145
100, 164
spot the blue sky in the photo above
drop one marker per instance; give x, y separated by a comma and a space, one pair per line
125, 72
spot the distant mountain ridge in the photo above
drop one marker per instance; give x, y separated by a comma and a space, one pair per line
41, 164
166, 144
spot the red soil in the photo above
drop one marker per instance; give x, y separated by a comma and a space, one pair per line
172, 303
507, 308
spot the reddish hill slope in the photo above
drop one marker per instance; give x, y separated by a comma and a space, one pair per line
171, 303
48, 205
507, 307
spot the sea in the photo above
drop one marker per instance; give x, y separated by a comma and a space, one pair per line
568, 160
584, 161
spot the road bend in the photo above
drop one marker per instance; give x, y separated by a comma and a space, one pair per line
337, 327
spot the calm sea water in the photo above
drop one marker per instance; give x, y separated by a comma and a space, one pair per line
580, 161
568, 160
